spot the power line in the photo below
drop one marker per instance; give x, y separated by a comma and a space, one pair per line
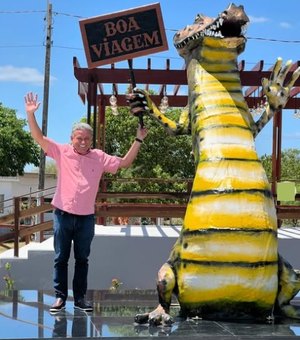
22, 12
18, 46
276, 40
69, 15
78, 48
167, 29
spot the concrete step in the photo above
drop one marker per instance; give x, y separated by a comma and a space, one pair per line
131, 254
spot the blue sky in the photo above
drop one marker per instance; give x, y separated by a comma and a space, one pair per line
22, 51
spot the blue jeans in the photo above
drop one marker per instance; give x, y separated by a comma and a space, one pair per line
79, 229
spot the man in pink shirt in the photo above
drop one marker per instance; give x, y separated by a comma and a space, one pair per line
79, 172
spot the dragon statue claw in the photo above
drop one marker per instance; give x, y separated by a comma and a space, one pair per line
277, 90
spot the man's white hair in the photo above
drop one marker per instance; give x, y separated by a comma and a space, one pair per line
81, 126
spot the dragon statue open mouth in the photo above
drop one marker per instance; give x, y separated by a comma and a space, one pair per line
230, 23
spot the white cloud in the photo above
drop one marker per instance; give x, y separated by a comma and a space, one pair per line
10, 73
285, 25
257, 19
295, 135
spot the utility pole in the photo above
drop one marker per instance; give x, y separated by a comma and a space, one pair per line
46, 93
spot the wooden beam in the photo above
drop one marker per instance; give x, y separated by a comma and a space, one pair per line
159, 77
140, 210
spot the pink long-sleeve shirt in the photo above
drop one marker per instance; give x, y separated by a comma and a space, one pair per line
79, 176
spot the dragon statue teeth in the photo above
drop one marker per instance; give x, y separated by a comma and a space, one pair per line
225, 263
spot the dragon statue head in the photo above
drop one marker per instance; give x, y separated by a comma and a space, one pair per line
230, 25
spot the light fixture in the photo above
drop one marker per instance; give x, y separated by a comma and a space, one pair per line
113, 105
164, 103
296, 114
258, 108
296, 111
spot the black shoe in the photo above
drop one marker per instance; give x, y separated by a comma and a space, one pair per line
83, 305
58, 306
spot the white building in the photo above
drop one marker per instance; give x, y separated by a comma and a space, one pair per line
26, 185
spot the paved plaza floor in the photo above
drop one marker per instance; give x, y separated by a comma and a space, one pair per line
25, 315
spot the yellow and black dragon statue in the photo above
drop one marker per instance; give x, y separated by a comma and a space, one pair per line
225, 263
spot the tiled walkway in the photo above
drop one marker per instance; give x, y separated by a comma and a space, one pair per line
24, 315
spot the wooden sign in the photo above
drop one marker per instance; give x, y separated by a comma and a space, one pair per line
123, 35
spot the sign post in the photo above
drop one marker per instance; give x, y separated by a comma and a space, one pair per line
123, 35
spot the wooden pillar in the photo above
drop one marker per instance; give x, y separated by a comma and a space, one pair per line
101, 145
276, 154
101, 123
16, 225
276, 149
92, 106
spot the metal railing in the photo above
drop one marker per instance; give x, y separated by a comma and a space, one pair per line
24, 215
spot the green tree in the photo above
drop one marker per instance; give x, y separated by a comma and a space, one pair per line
290, 171
266, 161
290, 164
50, 168
161, 155
17, 148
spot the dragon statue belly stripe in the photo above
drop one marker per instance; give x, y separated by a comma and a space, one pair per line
225, 263
228, 244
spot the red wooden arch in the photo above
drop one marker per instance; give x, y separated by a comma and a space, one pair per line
91, 90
